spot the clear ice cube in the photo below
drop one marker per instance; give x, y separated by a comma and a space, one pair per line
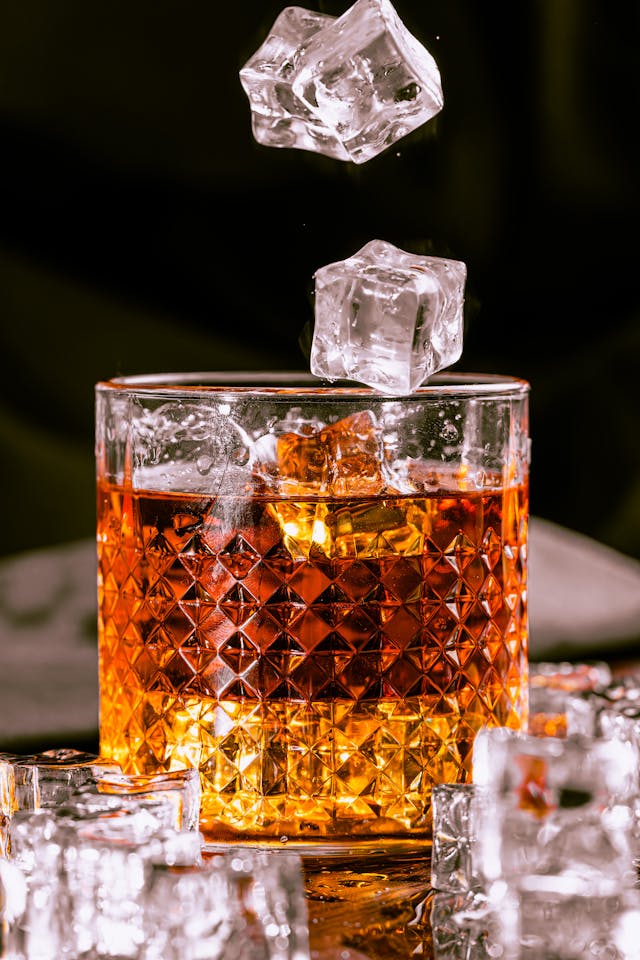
387, 318
180, 789
470, 926
454, 837
43, 780
278, 117
348, 87
86, 865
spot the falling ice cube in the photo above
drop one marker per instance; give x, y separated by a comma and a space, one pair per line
387, 318
347, 87
278, 117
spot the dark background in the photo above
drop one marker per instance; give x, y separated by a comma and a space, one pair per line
143, 229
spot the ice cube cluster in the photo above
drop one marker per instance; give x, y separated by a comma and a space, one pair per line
538, 857
99, 864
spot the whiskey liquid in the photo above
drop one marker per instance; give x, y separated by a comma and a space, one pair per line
322, 661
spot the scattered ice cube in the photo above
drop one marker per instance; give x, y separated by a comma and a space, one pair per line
558, 814
550, 687
609, 711
348, 87
179, 788
41, 780
554, 927
109, 866
254, 908
454, 837
470, 926
387, 318
85, 864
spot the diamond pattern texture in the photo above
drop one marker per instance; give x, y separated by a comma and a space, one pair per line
323, 663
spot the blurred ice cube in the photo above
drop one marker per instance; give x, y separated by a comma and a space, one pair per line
551, 685
553, 927
558, 812
347, 87
387, 318
86, 864
42, 780
237, 905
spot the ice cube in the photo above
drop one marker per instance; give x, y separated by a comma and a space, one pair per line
550, 687
237, 905
556, 809
86, 864
179, 788
454, 837
555, 927
470, 926
340, 458
344, 459
41, 780
612, 710
387, 318
278, 117
347, 87
45, 779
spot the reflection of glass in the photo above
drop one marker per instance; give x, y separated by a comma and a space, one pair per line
316, 595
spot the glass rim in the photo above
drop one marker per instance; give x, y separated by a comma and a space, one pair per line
290, 383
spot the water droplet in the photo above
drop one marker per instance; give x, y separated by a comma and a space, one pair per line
204, 464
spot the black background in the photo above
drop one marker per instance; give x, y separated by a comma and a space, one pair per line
143, 229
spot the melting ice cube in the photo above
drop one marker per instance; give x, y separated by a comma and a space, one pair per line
347, 87
387, 318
